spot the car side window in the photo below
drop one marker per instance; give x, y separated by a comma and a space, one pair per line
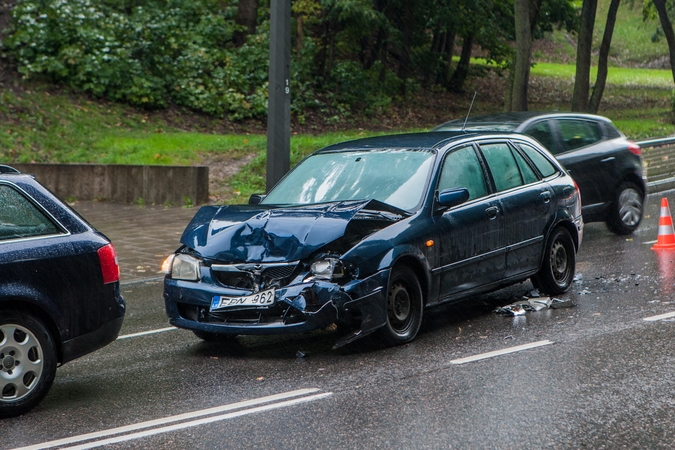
525, 170
503, 165
461, 168
541, 131
578, 133
546, 168
19, 218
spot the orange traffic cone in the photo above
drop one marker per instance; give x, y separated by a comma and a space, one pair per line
666, 239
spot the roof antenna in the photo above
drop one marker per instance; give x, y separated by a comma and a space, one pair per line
469, 112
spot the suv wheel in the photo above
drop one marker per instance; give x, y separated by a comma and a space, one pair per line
625, 212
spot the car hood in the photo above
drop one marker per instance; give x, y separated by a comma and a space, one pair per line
262, 233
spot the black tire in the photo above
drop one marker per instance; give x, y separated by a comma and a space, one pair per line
214, 337
404, 308
559, 261
27, 363
625, 212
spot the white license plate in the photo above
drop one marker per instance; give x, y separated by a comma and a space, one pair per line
262, 298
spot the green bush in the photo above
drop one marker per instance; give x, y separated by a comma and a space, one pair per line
174, 51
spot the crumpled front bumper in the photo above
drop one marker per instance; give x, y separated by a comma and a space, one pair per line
298, 308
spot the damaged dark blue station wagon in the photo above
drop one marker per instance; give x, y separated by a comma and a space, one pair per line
371, 233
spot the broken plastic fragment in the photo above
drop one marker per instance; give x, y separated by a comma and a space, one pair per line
558, 304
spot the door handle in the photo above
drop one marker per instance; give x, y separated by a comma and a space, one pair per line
611, 158
545, 196
492, 212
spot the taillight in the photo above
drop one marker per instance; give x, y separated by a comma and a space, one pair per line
634, 148
578, 192
109, 267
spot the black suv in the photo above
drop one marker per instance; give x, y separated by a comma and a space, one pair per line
59, 290
606, 165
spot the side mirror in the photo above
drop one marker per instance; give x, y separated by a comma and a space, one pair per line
452, 197
256, 199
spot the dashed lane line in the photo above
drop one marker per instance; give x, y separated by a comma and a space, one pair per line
659, 317
145, 333
501, 352
245, 407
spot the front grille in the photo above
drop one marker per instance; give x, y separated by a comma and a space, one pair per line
254, 277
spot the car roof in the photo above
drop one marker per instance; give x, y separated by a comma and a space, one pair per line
425, 140
517, 117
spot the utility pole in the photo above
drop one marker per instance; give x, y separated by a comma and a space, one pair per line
279, 105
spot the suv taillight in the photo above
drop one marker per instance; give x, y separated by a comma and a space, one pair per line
109, 267
634, 148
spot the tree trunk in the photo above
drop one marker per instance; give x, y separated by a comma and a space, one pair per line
449, 53
584, 47
521, 66
667, 27
462, 70
246, 20
601, 79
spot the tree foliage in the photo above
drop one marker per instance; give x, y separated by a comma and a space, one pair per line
212, 55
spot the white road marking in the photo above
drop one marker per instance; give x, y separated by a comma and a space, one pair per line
659, 317
250, 404
505, 351
650, 242
145, 333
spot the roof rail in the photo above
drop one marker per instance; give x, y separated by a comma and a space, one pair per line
8, 169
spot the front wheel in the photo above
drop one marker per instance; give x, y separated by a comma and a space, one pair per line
625, 212
27, 363
404, 308
557, 269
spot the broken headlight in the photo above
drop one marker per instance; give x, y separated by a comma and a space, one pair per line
328, 269
184, 267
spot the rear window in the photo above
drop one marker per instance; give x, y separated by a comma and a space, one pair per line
20, 218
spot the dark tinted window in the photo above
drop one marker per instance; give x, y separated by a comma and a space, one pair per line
19, 218
503, 165
578, 133
546, 168
541, 131
611, 131
461, 168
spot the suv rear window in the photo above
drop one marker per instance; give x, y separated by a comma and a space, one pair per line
19, 218
578, 133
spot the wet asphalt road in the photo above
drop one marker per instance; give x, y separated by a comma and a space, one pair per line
600, 377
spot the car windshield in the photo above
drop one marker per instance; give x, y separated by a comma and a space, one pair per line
396, 177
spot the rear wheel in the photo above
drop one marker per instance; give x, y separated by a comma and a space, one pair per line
27, 363
557, 270
625, 212
404, 308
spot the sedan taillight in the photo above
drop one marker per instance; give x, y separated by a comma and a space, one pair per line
109, 267
634, 148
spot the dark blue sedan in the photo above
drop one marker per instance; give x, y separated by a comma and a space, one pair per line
59, 290
369, 234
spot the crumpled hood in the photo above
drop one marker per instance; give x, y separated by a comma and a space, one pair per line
262, 233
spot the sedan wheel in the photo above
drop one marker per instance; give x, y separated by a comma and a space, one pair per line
557, 270
625, 212
27, 363
404, 308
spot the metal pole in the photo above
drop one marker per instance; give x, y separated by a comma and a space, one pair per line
279, 106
